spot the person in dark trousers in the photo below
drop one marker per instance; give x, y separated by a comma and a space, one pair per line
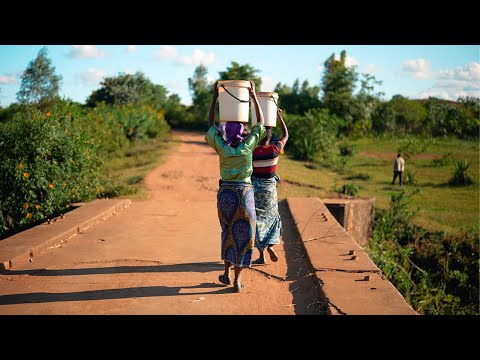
398, 169
235, 196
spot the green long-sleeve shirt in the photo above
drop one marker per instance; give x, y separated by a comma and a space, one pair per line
235, 164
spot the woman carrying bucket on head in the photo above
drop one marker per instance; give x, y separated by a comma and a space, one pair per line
235, 198
264, 179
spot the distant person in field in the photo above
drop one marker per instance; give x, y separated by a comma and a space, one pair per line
235, 198
264, 178
398, 169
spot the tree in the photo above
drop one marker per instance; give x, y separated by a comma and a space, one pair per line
409, 114
128, 89
39, 84
202, 92
338, 84
298, 99
242, 72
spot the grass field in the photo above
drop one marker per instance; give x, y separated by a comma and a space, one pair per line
126, 172
442, 207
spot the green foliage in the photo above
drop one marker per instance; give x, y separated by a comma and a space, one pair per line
127, 89
410, 177
460, 176
242, 72
383, 118
298, 99
177, 114
446, 159
348, 189
313, 136
347, 149
437, 274
411, 146
39, 84
202, 92
131, 122
47, 161
338, 84
409, 115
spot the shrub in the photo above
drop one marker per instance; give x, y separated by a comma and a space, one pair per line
348, 189
460, 176
436, 273
47, 160
347, 149
313, 135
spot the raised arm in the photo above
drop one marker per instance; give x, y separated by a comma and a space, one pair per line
258, 110
284, 136
211, 114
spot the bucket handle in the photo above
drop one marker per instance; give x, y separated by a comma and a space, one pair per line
243, 101
274, 101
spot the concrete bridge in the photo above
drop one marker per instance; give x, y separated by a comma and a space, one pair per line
162, 256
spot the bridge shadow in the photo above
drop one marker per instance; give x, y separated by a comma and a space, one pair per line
134, 292
125, 293
184, 267
304, 287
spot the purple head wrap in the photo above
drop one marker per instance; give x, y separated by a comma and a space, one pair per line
233, 130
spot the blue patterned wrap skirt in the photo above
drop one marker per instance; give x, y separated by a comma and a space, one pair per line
269, 224
236, 212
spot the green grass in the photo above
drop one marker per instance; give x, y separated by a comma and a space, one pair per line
126, 172
442, 207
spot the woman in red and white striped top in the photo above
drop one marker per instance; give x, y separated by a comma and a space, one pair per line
265, 159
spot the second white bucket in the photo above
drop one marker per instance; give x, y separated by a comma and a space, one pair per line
234, 108
268, 104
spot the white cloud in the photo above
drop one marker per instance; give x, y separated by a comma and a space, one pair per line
198, 57
371, 69
93, 76
86, 51
460, 81
468, 72
166, 52
128, 71
131, 48
268, 84
416, 69
320, 67
8, 79
349, 61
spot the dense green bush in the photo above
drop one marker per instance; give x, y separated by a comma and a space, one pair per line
313, 136
438, 274
47, 160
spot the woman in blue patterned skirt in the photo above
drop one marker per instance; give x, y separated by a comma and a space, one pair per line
265, 159
235, 198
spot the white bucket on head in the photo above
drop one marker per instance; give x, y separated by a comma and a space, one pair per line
268, 104
232, 109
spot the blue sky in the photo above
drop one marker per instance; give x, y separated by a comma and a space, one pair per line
416, 71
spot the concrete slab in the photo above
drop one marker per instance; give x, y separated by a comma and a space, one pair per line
19, 248
328, 246
350, 294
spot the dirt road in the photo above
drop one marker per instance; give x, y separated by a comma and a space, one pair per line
161, 256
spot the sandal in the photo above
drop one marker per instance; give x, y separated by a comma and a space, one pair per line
225, 279
238, 287
273, 254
